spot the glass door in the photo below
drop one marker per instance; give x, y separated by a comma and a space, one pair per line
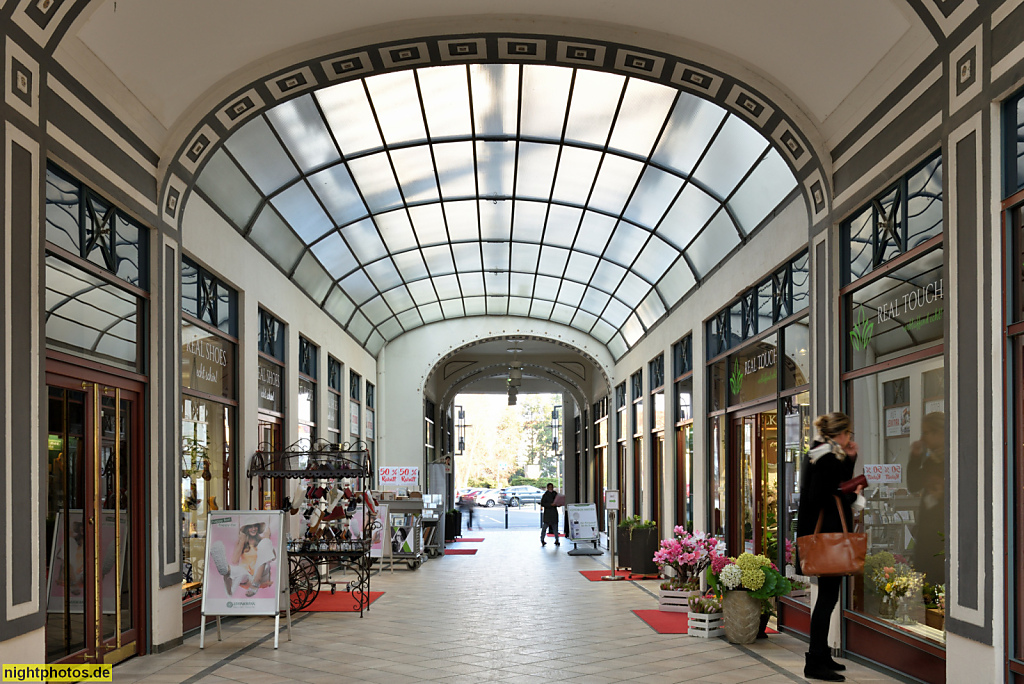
271, 489
756, 465
92, 566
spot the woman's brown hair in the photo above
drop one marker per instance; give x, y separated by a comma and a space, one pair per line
833, 424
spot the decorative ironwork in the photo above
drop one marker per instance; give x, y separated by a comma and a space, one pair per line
312, 459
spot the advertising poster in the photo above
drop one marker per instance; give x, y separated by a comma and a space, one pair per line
402, 526
399, 476
582, 522
244, 557
897, 421
67, 569
379, 533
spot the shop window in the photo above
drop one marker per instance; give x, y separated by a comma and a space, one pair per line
371, 416
334, 374
429, 411
271, 340
355, 416
753, 372
682, 357
306, 408
1013, 118
718, 471
621, 427
207, 299
796, 441
636, 383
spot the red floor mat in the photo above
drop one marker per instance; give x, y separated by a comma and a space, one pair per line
459, 552
341, 602
596, 575
470, 539
664, 622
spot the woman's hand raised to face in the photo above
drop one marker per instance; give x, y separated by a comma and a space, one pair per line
850, 448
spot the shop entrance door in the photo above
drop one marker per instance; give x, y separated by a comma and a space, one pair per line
755, 459
93, 544
271, 489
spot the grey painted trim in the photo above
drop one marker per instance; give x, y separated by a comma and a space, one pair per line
168, 465
821, 308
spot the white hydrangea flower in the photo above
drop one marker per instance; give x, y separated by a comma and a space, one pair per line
731, 576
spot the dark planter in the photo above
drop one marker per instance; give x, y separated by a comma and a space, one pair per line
622, 548
642, 548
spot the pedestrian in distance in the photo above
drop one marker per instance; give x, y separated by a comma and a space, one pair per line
549, 515
828, 464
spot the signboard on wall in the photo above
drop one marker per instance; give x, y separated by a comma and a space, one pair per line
268, 381
207, 362
353, 419
369, 424
883, 473
897, 421
399, 476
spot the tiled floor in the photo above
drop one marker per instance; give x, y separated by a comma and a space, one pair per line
514, 612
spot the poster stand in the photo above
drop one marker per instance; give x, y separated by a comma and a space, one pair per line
269, 528
582, 529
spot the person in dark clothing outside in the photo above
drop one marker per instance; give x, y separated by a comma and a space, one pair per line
926, 476
549, 517
828, 464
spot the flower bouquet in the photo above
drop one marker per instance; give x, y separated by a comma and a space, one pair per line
705, 619
687, 554
897, 584
748, 585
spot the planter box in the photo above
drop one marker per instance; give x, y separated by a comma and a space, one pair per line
674, 600
705, 625
800, 594
642, 548
934, 618
622, 548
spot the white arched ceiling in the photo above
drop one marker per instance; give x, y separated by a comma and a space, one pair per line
560, 193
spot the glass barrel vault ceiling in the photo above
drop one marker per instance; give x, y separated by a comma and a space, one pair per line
582, 197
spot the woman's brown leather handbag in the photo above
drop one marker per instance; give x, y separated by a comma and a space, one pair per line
831, 554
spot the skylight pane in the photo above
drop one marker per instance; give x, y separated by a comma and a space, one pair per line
562, 314
616, 312
445, 93
581, 266
576, 172
594, 301
545, 100
632, 290
571, 293
595, 95
713, 244
626, 243
525, 257
384, 274
335, 255
475, 306
455, 169
397, 105
562, 224
410, 265
261, 156
359, 327
467, 257
690, 128
399, 299
632, 331
447, 287
278, 242
339, 305
594, 233
495, 165
602, 332
422, 292
615, 182
364, 240
375, 179
228, 189
415, 169
358, 287
495, 89
301, 210
396, 230
519, 306
730, 156
608, 276
546, 287
311, 277
521, 284
536, 170
453, 308
495, 219
410, 319
677, 282
349, 115
652, 197
376, 310
336, 190
496, 256
428, 222
541, 309
641, 116
496, 283
304, 133
691, 211
462, 220
528, 221
552, 261
583, 321
390, 329
374, 344
762, 191
497, 306
439, 260
656, 258
431, 312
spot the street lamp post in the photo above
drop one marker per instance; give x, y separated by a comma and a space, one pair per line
556, 427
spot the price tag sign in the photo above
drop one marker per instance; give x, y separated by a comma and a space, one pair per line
611, 499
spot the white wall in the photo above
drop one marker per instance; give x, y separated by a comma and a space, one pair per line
761, 255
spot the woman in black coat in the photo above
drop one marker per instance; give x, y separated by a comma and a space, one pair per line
829, 463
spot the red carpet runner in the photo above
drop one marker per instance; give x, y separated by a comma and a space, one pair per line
341, 602
596, 575
459, 552
470, 539
664, 622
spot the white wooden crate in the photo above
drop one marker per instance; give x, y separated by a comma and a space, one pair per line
705, 625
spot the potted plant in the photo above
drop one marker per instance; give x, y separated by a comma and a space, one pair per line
625, 533
705, 617
748, 585
643, 543
682, 559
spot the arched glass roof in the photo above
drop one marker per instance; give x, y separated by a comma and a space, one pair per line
588, 198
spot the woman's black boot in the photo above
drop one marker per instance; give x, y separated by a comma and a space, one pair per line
817, 667
831, 664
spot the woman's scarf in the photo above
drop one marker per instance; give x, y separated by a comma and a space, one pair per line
826, 446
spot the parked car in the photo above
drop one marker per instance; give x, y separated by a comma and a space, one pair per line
521, 494
487, 497
466, 495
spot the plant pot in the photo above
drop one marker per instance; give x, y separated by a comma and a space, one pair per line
642, 547
674, 600
704, 625
742, 615
934, 618
622, 548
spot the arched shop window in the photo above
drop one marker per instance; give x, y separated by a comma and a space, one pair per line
893, 309
682, 372
209, 409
